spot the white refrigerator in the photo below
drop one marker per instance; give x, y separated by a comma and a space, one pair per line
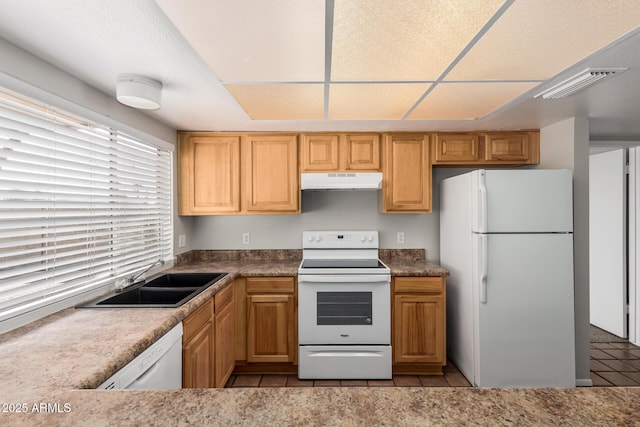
506, 237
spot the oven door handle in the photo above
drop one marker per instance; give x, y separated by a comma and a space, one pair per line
312, 278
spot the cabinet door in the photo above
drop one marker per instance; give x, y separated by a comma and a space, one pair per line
224, 344
270, 172
418, 329
456, 148
362, 152
319, 152
407, 174
270, 328
507, 147
209, 174
197, 359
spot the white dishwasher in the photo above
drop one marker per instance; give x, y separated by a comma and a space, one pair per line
158, 367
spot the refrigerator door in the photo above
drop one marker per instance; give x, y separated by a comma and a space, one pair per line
524, 324
522, 201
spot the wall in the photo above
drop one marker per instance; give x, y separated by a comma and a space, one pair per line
320, 210
327, 210
566, 145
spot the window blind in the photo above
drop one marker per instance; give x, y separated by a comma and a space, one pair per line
80, 205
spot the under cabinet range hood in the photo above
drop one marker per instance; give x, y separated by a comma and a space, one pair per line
341, 181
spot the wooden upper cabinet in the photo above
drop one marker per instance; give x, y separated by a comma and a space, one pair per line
209, 174
508, 147
319, 152
270, 174
362, 152
487, 148
323, 152
406, 174
455, 148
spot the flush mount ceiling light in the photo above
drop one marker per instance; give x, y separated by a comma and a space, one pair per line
138, 91
578, 82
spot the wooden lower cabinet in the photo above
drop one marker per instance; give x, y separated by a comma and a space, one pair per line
224, 354
208, 356
271, 320
419, 324
269, 333
198, 347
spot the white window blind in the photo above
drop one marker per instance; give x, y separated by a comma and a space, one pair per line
80, 205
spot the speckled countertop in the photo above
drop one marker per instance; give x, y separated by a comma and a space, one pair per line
51, 365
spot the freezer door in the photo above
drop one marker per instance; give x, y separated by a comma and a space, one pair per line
524, 316
522, 201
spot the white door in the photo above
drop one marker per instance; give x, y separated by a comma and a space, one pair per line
634, 245
607, 242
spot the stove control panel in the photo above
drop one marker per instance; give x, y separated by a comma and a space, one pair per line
339, 239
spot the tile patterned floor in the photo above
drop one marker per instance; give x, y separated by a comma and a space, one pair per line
615, 364
612, 365
451, 378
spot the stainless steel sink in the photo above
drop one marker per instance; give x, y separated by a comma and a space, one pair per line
166, 291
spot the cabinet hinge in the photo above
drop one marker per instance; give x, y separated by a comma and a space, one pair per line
627, 169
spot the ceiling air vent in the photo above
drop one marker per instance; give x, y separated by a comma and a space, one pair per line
578, 82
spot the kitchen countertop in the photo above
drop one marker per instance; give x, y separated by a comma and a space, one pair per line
355, 406
52, 360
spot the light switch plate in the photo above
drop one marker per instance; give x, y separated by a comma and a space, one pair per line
182, 241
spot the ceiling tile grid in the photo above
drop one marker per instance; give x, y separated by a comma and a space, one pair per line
392, 59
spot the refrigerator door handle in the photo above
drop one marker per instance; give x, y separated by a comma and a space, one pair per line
485, 267
482, 209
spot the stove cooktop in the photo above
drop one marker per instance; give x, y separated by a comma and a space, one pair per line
342, 266
341, 263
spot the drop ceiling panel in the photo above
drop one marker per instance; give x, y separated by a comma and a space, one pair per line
280, 101
402, 39
373, 101
254, 41
455, 101
538, 39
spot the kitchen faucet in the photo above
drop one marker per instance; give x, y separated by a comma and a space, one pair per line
132, 279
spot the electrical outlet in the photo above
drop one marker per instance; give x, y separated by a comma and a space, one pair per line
182, 241
246, 238
400, 237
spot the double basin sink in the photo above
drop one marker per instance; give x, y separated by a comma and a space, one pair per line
167, 291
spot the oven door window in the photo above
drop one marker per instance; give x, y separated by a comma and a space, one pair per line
344, 308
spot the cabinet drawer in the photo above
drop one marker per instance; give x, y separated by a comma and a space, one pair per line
259, 285
223, 298
419, 284
194, 322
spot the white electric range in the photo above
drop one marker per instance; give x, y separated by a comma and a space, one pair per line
344, 308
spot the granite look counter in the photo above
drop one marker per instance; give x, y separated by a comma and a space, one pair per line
356, 406
48, 368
